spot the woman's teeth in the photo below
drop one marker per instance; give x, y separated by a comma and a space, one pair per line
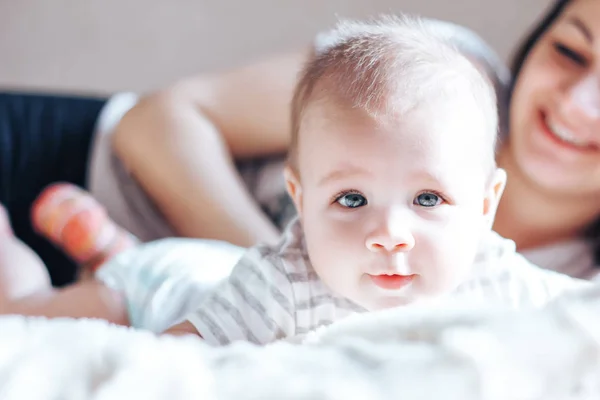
566, 136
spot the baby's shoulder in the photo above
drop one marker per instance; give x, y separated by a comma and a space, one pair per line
289, 250
287, 258
501, 273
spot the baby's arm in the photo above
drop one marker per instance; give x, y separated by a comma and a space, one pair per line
183, 329
515, 281
254, 304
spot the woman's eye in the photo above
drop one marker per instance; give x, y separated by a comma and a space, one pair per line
352, 200
570, 54
428, 199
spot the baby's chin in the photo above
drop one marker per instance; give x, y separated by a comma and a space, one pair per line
378, 302
383, 302
392, 302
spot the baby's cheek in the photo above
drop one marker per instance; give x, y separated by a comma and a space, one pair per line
448, 275
462, 252
451, 256
331, 228
329, 240
332, 249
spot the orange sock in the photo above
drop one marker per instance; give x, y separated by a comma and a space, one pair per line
74, 221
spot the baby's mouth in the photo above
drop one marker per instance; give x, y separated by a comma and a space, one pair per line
392, 281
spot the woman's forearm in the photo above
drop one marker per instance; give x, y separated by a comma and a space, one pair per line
182, 162
179, 144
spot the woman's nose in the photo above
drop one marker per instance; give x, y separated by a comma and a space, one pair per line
583, 100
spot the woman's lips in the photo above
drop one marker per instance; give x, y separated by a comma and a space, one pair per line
562, 136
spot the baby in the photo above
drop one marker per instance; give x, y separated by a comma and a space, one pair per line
393, 176
392, 173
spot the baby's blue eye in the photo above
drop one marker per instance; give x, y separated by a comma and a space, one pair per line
427, 199
352, 200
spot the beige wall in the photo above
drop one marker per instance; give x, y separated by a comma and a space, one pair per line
108, 45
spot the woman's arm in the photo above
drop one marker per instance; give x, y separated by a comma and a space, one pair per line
179, 144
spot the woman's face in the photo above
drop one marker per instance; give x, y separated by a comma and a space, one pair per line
555, 110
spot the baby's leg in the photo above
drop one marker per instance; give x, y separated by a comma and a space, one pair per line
25, 287
152, 286
89, 299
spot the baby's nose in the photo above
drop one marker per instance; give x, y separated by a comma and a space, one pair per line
390, 243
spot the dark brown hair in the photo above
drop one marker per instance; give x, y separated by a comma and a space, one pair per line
530, 41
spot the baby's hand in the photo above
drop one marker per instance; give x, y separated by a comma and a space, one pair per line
182, 329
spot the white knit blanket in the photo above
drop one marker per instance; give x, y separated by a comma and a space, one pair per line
457, 353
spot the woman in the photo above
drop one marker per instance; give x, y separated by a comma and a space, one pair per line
552, 150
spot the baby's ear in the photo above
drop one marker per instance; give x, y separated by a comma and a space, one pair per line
294, 187
494, 194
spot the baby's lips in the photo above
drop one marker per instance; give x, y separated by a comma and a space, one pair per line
393, 281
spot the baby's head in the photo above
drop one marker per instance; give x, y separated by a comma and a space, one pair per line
392, 162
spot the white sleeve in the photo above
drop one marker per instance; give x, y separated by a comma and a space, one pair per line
255, 304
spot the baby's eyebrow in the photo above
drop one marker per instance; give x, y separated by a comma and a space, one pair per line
431, 177
342, 173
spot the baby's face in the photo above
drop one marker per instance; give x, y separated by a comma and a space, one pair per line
392, 212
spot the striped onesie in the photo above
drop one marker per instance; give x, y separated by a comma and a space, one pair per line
274, 293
